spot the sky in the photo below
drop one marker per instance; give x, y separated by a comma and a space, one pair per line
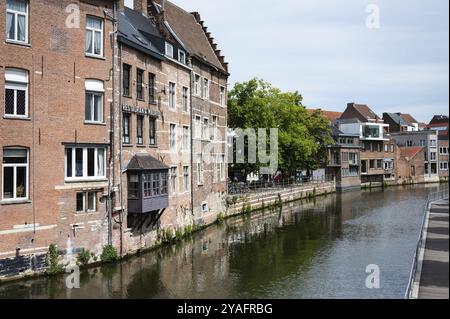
324, 50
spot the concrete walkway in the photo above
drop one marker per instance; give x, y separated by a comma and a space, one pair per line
434, 266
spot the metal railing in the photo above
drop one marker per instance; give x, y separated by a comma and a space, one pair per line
258, 186
432, 197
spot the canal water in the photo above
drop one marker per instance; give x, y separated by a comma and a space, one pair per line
310, 249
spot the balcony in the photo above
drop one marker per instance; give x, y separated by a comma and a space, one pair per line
147, 185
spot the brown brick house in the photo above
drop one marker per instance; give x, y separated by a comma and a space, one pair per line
55, 80
410, 167
209, 113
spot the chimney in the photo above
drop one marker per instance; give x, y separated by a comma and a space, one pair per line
141, 6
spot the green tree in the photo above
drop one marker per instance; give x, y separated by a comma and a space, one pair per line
302, 136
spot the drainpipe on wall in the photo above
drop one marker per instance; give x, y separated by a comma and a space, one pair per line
192, 140
120, 151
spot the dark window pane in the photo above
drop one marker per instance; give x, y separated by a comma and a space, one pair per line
133, 186
80, 197
10, 26
69, 162
126, 128
126, 80
79, 162
21, 182
151, 88
152, 131
9, 101
139, 91
98, 108
88, 108
8, 182
140, 128
91, 161
21, 102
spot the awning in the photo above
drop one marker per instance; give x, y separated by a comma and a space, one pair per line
141, 162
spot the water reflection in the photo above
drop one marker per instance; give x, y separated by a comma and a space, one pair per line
310, 249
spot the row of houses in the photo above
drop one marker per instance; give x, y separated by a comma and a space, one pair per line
392, 149
107, 111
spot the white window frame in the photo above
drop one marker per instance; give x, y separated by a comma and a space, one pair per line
205, 129
85, 176
441, 166
173, 179
185, 138
198, 127
94, 88
16, 82
169, 47
214, 124
185, 100
186, 178
173, 137
197, 85
433, 158
222, 167
16, 24
172, 96
15, 166
443, 150
206, 88
181, 53
93, 32
222, 101
85, 202
200, 171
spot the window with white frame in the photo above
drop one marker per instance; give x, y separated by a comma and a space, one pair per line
222, 167
85, 163
139, 130
222, 96
126, 119
185, 99
86, 202
185, 138
443, 150
17, 20
182, 56
94, 101
15, 173
432, 156
199, 164
173, 179
433, 143
214, 128
94, 36
198, 127
186, 178
205, 129
169, 50
197, 85
152, 131
172, 137
171, 96
443, 166
205, 88
16, 93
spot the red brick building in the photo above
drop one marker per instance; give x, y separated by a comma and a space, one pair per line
97, 125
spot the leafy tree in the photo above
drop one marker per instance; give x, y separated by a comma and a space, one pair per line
302, 136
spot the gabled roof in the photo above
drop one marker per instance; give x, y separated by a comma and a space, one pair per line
396, 118
129, 24
439, 119
410, 152
407, 118
364, 112
330, 115
186, 27
141, 162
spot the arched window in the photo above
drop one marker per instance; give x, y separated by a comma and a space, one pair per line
15, 173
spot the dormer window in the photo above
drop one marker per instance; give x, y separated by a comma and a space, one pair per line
182, 56
169, 50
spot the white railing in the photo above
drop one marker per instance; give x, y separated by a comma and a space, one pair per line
432, 197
